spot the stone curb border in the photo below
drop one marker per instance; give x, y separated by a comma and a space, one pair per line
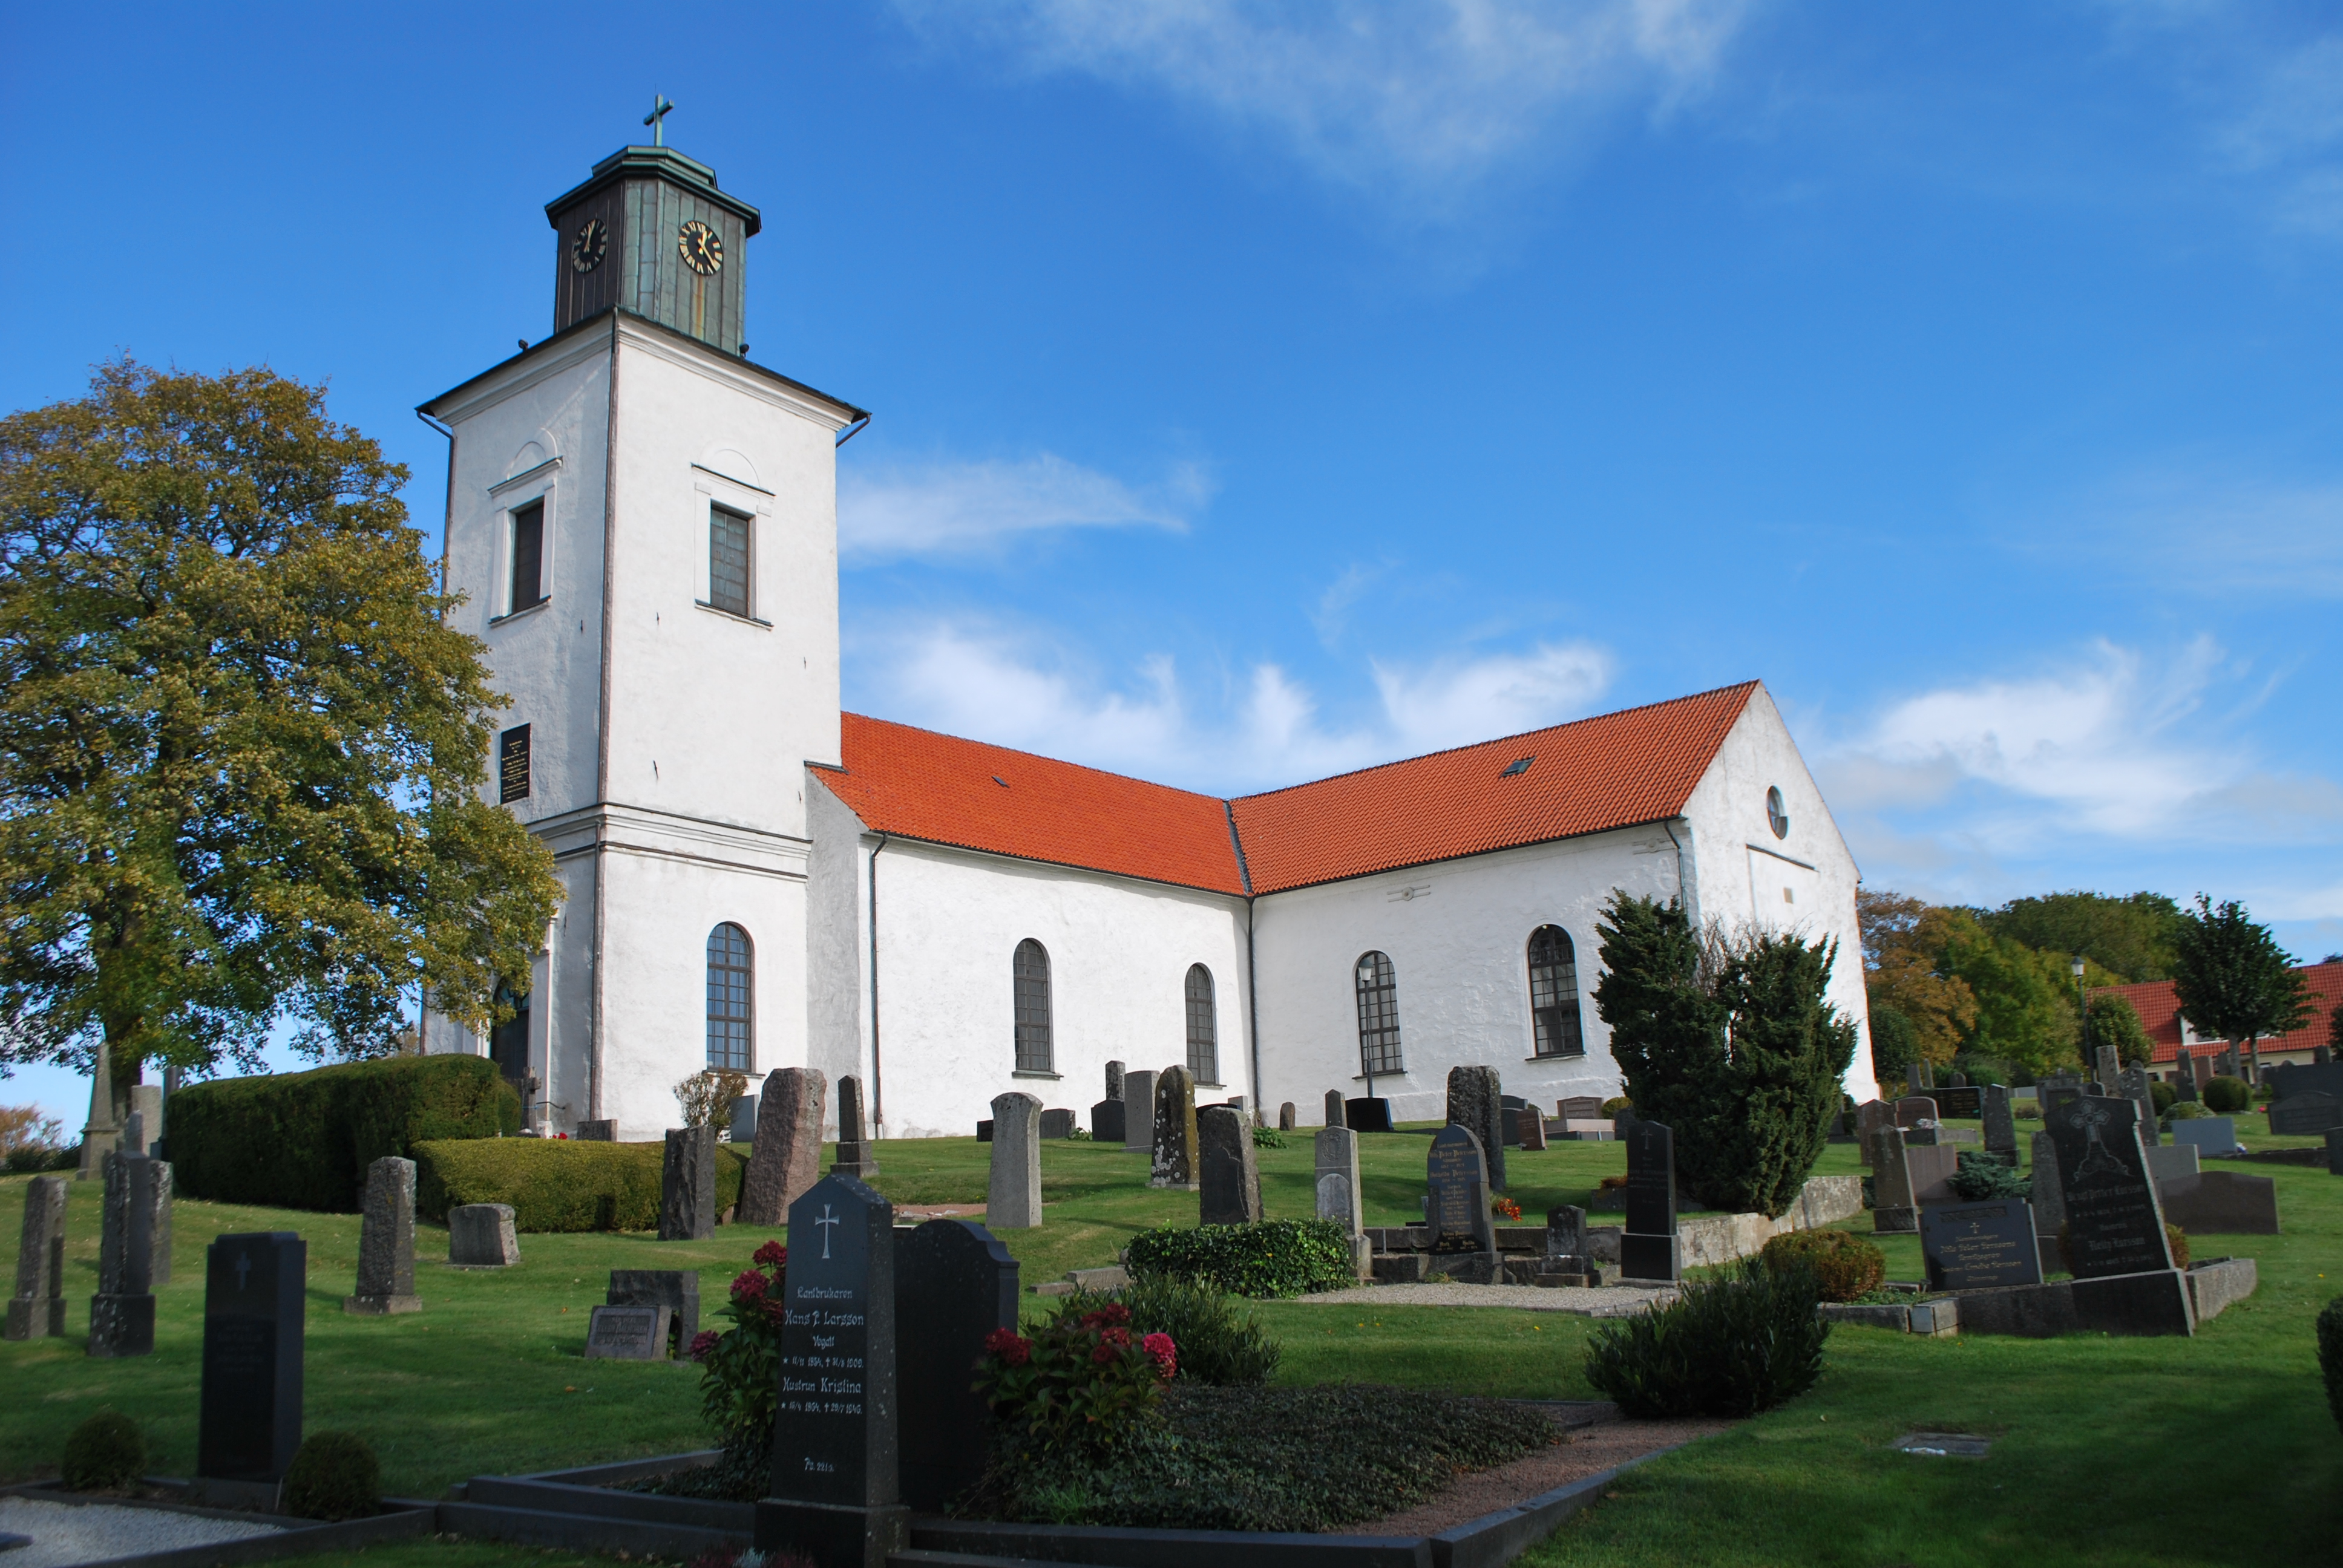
407, 1518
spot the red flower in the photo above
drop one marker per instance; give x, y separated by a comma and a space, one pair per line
1012, 1348
748, 1287
1166, 1354
771, 1255
1112, 1313
702, 1342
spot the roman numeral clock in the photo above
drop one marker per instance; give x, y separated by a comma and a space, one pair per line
650, 232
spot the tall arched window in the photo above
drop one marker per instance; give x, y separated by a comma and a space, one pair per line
1204, 1030
1553, 993
508, 1041
731, 999
1378, 1015
1031, 968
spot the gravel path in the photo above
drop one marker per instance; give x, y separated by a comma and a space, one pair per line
1588, 1301
65, 1534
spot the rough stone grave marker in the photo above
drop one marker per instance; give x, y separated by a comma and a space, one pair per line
1869, 1117
677, 1290
1476, 1103
1174, 1149
2106, 1065
249, 1417
1974, 1246
855, 1156
2000, 1125
785, 1158
1336, 1158
1229, 1182
836, 1487
2305, 1114
1895, 1207
688, 1185
954, 1284
2213, 1136
481, 1236
2221, 1202
1458, 1174
2049, 1198
1138, 1112
134, 1255
1012, 1189
627, 1333
1057, 1124
2115, 1224
2132, 1084
1335, 1115
1285, 1117
38, 1307
1648, 1246
386, 1282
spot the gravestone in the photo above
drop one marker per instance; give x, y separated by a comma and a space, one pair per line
1174, 1149
2049, 1198
1533, 1127
1509, 1118
2321, 1056
1648, 1247
603, 1131
2200, 1068
1580, 1107
480, 1236
627, 1333
677, 1290
2171, 1162
1976, 1246
147, 1104
2058, 1089
385, 1281
1565, 1232
1370, 1115
1458, 1175
2000, 1125
1229, 1184
1107, 1123
132, 1257
2107, 1066
2221, 1203
835, 1491
2184, 1081
688, 1185
1869, 1117
1012, 1190
2211, 1136
1476, 1103
1285, 1118
2335, 1150
1113, 1081
1335, 1115
786, 1160
2305, 1114
1336, 1160
954, 1284
1960, 1102
2115, 1224
855, 1155
1139, 1112
249, 1418
1057, 1124
38, 1307
1917, 1111
2288, 1078
1895, 1207
984, 1131
744, 1121
2132, 1083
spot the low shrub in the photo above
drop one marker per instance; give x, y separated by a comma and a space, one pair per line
1268, 1138
1982, 1179
2226, 1096
1085, 1381
2163, 1096
105, 1453
2183, 1110
1617, 1105
334, 1475
558, 1183
738, 1368
2178, 1241
1845, 1265
1219, 1341
1731, 1346
1274, 1259
2027, 1110
2330, 1355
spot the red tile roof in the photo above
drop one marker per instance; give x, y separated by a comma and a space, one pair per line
1612, 772
2158, 1006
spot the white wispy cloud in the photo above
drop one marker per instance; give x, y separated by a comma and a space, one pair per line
1456, 700
2207, 519
962, 508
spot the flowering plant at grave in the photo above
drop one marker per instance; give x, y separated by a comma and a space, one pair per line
739, 1365
1082, 1378
1504, 1208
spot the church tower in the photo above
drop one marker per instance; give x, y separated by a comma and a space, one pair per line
642, 524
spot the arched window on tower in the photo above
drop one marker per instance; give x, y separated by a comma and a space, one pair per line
1203, 1028
1553, 993
1378, 1015
1032, 971
731, 999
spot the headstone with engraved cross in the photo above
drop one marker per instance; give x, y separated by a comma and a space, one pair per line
255, 1301
2115, 1223
834, 1493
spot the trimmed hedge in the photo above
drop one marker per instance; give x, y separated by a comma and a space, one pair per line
1275, 1258
304, 1139
559, 1183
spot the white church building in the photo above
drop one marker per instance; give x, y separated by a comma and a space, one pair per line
643, 524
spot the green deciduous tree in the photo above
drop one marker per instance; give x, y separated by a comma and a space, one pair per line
2109, 1019
2134, 938
2026, 1008
1730, 1041
2235, 982
240, 751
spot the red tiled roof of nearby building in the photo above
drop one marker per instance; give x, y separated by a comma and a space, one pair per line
1612, 772
2158, 1006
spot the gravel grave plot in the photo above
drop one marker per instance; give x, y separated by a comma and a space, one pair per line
1586, 1301
1582, 1452
65, 1534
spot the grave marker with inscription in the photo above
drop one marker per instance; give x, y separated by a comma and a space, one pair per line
38, 1307
786, 1158
2132, 1084
386, 1282
1476, 1102
1895, 1207
1175, 1147
2115, 1224
1973, 1246
134, 1255
250, 1419
1458, 1175
688, 1185
677, 1290
627, 1333
1869, 1117
2305, 1114
1336, 1152
1228, 1181
954, 1284
2213, 1136
1648, 1246
1012, 1192
481, 1236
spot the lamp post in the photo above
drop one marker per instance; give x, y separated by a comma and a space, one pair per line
2083, 1016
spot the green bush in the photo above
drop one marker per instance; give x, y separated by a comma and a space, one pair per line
1982, 1179
1268, 1138
1083, 1382
2163, 1096
105, 1453
1618, 1105
1730, 1347
2182, 1111
304, 1139
1845, 1265
559, 1183
1275, 1258
2226, 1096
1218, 1342
2330, 1355
334, 1475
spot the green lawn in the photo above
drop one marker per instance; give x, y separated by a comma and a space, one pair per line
2217, 1450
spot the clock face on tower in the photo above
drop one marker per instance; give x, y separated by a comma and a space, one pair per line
586, 249
701, 247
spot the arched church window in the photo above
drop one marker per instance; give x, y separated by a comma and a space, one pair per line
1203, 1029
1553, 993
1378, 990
1032, 971
728, 554
508, 1041
731, 999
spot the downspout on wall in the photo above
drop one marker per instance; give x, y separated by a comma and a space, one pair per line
1253, 989
878, 1093
447, 518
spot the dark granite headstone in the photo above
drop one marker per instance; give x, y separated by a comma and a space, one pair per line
984, 1131
1335, 1114
1458, 1174
2321, 1056
855, 1156
677, 1290
2115, 1224
1229, 1185
134, 1255
1509, 1117
2000, 1125
1476, 1103
1648, 1247
1285, 1117
481, 1236
1532, 1129
1138, 1112
1174, 1146
1108, 1124
1565, 1232
835, 1491
1917, 1111
2305, 1114
38, 1307
1870, 1117
1367, 1115
688, 1185
1972, 1246
255, 1299
1057, 1124
954, 1284
386, 1282
2058, 1089
2184, 1079
2220, 1202
628, 1333
1114, 1080
1961, 1102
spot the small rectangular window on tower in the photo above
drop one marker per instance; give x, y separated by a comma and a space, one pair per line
528, 556
728, 561
512, 765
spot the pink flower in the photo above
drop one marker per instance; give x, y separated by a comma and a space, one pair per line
702, 1342
1166, 1354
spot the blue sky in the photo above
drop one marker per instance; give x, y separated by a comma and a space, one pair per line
1264, 391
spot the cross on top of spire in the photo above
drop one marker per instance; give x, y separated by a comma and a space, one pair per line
656, 119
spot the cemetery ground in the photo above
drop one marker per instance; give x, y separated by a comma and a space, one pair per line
2215, 1450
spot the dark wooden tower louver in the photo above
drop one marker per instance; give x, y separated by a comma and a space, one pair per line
650, 232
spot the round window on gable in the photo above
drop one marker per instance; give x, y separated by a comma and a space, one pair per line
1777, 816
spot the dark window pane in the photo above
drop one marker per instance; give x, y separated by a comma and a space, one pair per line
728, 561
732, 978
512, 765
1378, 1015
1032, 973
528, 555
1203, 1028
1553, 993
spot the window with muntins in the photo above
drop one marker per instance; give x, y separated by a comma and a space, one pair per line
731, 999
1031, 971
728, 561
1203, 1028
1378, 1015
1553, 993
528, 558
